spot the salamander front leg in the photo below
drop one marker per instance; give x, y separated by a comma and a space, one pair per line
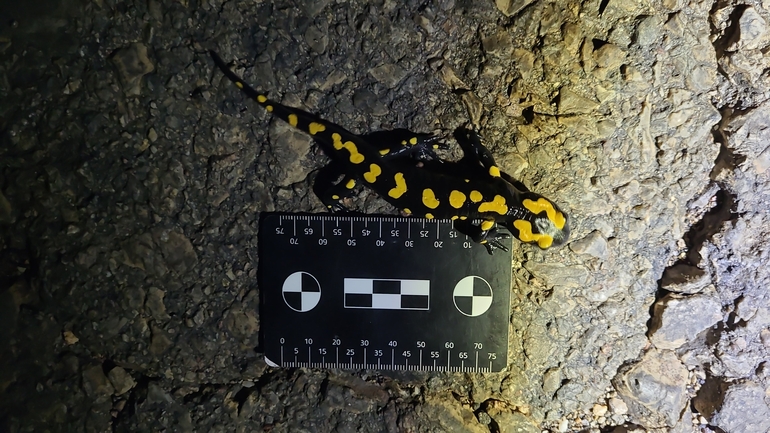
485, 234
329, 191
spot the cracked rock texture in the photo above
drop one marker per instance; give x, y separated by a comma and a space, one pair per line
132, 177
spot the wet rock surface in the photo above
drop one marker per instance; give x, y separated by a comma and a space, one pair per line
132, 176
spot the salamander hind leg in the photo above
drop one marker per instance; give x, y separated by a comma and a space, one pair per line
475, 152
331, 192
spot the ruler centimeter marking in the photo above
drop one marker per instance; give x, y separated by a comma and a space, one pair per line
427, 292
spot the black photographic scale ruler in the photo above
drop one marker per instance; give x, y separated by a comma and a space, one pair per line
380, 293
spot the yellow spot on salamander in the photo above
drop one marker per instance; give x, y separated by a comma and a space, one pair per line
467, 180
456, 199
429, 216
413, 141
400, 187
463, 217
429, 199
351, 184
315, 127
435, 146
453, 217
384, 151
337, 141
239, 85
374, 171
403, 142
494, 171
269, 108
526, 235
407, 211
260, 98
355, 157
556, 217
496, 205
487, 224
292, 119
335, 197
476, 196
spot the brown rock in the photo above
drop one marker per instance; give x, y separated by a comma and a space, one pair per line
511, 7
132, 64
96, 385
654, 389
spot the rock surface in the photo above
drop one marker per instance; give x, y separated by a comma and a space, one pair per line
678, 320
654, 389
744, 409
132, 178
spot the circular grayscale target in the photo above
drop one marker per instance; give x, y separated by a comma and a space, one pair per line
301, 291
472, 296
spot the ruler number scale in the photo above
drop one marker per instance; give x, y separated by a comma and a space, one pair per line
382, 293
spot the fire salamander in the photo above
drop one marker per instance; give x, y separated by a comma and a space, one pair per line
473, 188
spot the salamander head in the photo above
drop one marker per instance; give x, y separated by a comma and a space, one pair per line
538, 221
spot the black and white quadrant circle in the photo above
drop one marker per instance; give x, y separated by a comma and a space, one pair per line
472, 296
301, 291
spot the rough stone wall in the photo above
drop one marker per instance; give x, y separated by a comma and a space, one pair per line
131, 178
